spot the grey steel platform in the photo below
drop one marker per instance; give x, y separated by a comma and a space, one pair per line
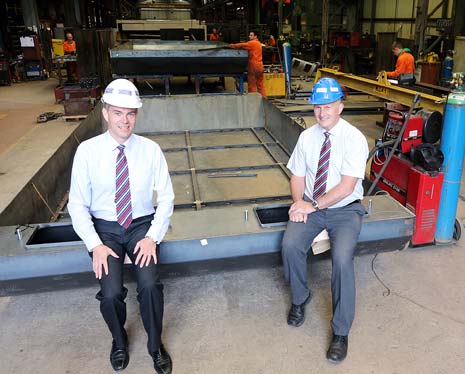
226, 156
146, 59
206, 234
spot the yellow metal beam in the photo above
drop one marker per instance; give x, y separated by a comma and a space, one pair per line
383, 89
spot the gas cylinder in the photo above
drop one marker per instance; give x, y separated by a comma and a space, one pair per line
447, 68
453, 148
287, 62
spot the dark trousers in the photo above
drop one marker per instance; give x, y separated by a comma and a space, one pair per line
343, 226
112, 292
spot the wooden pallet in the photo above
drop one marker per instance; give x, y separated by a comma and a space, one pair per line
75, 118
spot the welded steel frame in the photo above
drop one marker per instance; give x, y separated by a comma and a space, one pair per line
193, 171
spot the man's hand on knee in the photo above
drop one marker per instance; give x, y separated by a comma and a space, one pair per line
298, 217
299, 211
100, 259
147, 250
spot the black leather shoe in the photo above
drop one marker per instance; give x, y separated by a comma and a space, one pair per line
119, 358
162, 361
296, 316
337, 350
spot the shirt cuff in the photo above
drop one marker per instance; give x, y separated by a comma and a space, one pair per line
92, 242
154, 234
151, 234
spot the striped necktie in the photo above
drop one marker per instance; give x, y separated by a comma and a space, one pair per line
319, 188
123, 191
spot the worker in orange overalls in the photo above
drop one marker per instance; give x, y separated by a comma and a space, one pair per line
69, 47
405, 64
215, 35
255, 66
272, 43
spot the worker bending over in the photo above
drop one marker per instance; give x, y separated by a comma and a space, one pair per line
405, 64
255, 65
328, 166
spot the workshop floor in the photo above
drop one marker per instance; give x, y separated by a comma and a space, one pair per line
20, 104
409, 317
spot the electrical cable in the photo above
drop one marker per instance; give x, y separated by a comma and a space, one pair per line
387, 292
377, 160
379, 146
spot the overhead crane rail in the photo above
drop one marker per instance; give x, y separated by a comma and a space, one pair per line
383, 89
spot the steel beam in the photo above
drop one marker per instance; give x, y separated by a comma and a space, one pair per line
195, 183
421, 23
284, 169
226, 170
324, 30
383, 89
277, 142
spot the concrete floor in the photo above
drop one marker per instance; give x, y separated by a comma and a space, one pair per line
20, 104
235, 321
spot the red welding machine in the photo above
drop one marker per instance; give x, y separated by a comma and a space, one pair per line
412, 176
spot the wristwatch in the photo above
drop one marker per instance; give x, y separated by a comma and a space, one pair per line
315, 205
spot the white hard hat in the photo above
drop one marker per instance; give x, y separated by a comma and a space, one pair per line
122, 93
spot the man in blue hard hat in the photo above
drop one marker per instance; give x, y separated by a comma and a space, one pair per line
328, 166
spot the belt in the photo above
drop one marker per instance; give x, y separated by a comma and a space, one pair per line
353, 202
148, 217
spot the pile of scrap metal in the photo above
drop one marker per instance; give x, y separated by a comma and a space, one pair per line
48, 116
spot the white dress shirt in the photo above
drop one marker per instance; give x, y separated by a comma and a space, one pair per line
349, 152
93, 185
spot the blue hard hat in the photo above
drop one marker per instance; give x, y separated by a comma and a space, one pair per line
325, 91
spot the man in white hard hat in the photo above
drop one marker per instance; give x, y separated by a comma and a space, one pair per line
328, 167
113, 180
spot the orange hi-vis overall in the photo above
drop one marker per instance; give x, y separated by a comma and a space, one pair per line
255, 65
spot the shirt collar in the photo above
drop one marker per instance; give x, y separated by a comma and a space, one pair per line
335, 131
112, 144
